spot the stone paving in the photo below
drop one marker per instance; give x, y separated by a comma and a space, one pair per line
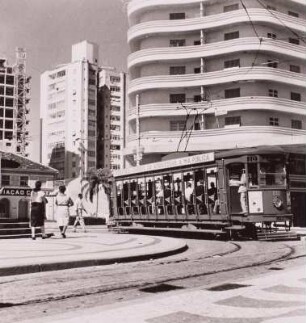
277, 297
95, 247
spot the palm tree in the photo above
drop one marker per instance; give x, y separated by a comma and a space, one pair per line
97, 178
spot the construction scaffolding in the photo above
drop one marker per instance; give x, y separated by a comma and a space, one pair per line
22, 89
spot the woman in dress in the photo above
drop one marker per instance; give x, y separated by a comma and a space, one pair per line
38, 201
63, 202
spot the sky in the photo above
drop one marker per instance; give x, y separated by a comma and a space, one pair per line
48, 28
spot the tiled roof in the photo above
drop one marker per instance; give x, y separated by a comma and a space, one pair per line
13, 161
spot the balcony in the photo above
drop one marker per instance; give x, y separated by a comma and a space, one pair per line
215, 139
225, 105
216, 78
226, 19
172, 54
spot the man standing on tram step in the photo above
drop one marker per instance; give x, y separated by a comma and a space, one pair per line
79, 208
242, 191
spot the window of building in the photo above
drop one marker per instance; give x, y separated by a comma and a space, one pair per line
61, 73
24, 180
232, 93
295, 68
114, 127
271, 35
293, 14
231, 7
177, 42
114, 108
197, 98
9, 91
91, 133
269, 7
114, 79
177, 15
295, 96
10, 79
231, 35
197, 42
234, 120
115, 88
232, 63
115, 118
9, 113
8, 135
91, 102
5, 180
91, 123
296, 124
1, 123
177, 70
197, 70
2, 100
273, 121
115, 147
273, 64
273, 93
91, 153
8, 124
294, 41
92, 82
177, 125
9, 102
178, 98
1, 90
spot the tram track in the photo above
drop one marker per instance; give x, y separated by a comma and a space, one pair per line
217, 262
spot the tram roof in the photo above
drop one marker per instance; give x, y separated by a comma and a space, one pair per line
209, 158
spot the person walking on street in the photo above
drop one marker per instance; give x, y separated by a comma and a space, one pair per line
63, 202
38, 210
79, 208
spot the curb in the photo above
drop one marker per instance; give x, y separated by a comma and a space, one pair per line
52, 266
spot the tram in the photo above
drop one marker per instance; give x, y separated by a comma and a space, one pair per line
238, 193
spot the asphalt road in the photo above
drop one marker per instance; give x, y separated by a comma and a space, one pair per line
36, 295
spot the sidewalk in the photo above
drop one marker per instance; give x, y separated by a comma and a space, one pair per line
96, 247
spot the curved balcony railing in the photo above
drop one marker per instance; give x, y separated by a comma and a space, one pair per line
136, 6
225, 105
215, 21
214, 139
217, 77
218, 48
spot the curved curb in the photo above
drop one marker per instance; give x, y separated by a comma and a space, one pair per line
52, 266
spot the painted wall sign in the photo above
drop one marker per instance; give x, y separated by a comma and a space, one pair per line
15, 191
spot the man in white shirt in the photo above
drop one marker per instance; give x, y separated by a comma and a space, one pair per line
79, 208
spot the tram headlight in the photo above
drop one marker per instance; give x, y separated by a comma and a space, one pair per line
278, 202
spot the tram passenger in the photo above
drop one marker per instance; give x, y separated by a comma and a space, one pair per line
241, 190
213, 198
188, 193
199, 192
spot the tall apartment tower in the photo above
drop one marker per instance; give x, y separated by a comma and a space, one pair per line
213, 75
69, 113
14, 98
110, 118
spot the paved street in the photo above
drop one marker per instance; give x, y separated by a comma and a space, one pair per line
273, 298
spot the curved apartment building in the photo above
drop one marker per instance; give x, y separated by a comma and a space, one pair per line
212, 75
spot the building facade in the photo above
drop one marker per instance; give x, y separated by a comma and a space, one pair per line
69, 113
110, 118
14, 98
18, 177
213, 75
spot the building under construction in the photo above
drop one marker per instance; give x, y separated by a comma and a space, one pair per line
14, 97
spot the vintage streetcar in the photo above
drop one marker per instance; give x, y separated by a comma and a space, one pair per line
238, 193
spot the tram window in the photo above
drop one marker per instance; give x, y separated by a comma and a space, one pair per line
141, 189
119, 193
297, 165
168, 188
133, 188
200, 191
252, 175
149, 185
212, 191
272, 171
188, 187
126, 191
177, 193
159, 190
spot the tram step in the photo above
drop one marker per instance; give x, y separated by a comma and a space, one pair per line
13, 231
14, 225
277, 235
136, 228
9, 220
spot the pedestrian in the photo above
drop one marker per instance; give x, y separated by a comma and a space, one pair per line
79, 208
63, 202
242, 190
38, 210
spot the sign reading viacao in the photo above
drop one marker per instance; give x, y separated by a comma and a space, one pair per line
15, 191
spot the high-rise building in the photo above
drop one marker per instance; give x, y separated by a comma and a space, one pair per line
214, 75
110, 118
14, 97
69, 113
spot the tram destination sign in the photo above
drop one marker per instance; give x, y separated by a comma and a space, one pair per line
172, 163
